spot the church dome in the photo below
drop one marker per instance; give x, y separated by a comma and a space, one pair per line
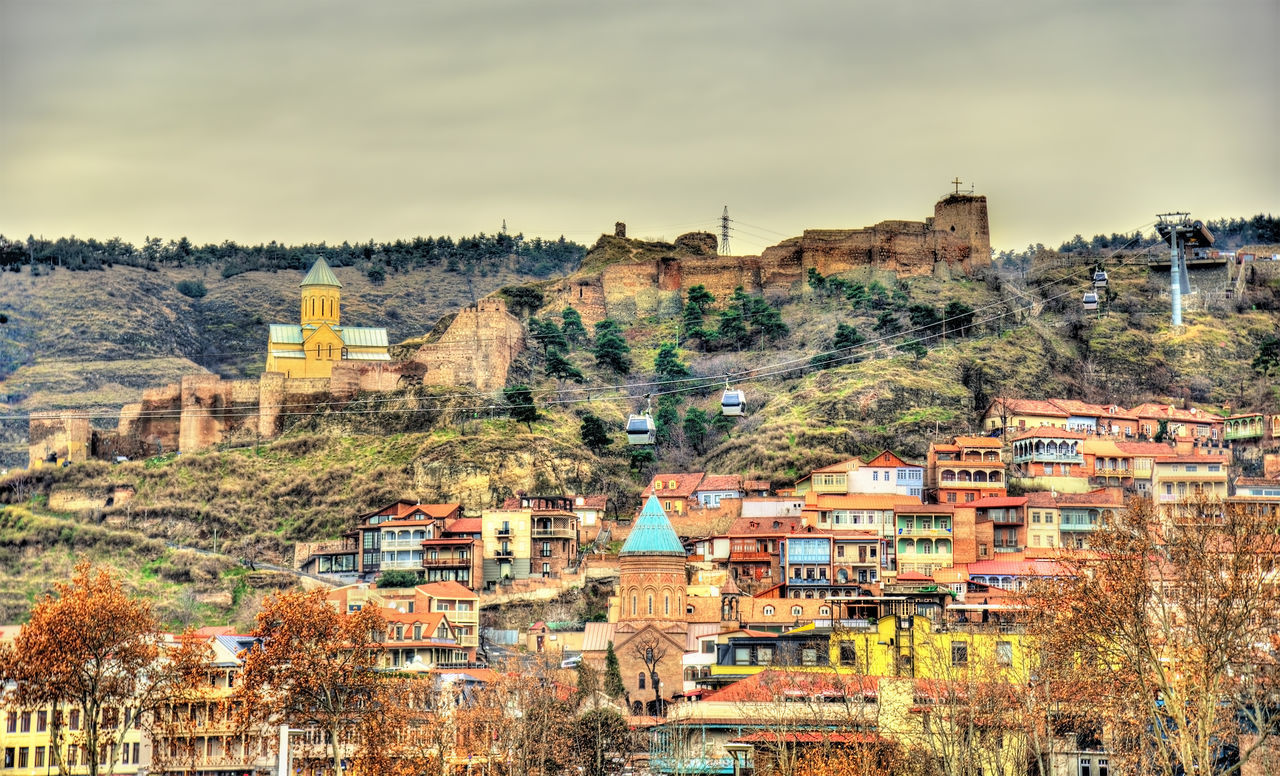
652, 534
321, 275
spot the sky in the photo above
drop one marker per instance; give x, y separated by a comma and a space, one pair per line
307, 121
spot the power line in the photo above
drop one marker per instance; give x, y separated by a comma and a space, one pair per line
686, 385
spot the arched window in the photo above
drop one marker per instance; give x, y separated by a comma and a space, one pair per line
842, 575
796, 611
825, 611
640, 680
995, 477
948, 475
979, 476
313, 306
650, 604
633, 606
768, 611
328, 353
666, 604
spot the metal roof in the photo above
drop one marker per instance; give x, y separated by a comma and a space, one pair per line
286, 333
652, 533
321, 275
363, 336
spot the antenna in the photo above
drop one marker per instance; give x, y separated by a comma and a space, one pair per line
504, 226
724, 232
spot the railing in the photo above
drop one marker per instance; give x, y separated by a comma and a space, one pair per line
402, 544
554, 533
401, 564
502, 531
807, 581
504, 553
910, 531
750, 556
849, 624
449, 562
469, 640
1025, 457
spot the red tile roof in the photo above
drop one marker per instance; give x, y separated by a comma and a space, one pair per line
998, 501
1041, 498
466, 525
1155, 449
591, 502
1085, 409
978, 441
1258, 482
1169, 412
754, 485
1101, 498
1029, 407
1050, 432
685, 485
720, 482
402, 508
779, 685
887, 458
764, 526
1017, 568
447, 589
914, 576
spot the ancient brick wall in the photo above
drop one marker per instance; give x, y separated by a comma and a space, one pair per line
58, 435
477, 348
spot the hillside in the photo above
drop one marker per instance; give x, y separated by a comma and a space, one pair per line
95, 339
1027, 337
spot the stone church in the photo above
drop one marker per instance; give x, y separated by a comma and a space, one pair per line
312, 348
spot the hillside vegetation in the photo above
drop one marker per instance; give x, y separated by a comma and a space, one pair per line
915, 377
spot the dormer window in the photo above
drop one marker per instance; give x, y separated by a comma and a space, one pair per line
777, 524
671, 484
657, 484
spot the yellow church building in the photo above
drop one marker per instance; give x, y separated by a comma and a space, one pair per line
313, 347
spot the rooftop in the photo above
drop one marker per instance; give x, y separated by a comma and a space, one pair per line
321, 275
652, 533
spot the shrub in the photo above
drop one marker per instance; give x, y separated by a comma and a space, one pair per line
192, 288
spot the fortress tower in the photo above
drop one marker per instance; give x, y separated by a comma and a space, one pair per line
312, 348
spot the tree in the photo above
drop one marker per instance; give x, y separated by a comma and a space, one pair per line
520, 404
1173, 613
846, 338
314, 666
521, 299
613, 686
667, 362
399, 578
651, 651
958, 318
667, 418
611, 349
91, 647
547, 334
561, 368
1268, 358
816, 281
603, 742
698, 302
571, 326
595, 436
887, 322
915, 347
695, 428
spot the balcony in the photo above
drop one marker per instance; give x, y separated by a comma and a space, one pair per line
504, 553
446, 562
806, 581
502, 530
402, 544
412, 564
468, 640
751, 557
555, 533
944, 533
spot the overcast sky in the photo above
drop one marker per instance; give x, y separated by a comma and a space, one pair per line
305, 121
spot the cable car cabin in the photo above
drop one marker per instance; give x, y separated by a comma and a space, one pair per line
640, 430
1100, 279
1090, 301
733, 402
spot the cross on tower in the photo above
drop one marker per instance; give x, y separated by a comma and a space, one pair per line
957, 183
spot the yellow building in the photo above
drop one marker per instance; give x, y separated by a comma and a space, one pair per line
27, 747
313, 347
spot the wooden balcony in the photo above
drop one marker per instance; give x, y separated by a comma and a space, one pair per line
446, 563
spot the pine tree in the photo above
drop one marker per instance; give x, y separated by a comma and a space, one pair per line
595, 437
613, 686
571, 326
667, 362
561, 368
520, 404
611, 349
695, 428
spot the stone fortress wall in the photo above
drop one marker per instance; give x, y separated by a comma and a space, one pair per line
481, 343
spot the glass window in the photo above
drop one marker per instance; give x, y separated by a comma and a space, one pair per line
848, 653
959, 653
742, 656
809, 656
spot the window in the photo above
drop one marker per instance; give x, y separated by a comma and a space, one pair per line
1004, 653
796, 611
764, 656
633, 606
968, 497
22, 757
768, 611
959, 653
666, 604
39, 763
839, 550
1048, 517
75, 719
982, 550
640, 680
848, 653
1035, 517
42, 721
825, 611
11, 725
1085, 767
667, 506
546, 549
951, 498
809, 656
742, 656
657, 484
650, 604
26, 722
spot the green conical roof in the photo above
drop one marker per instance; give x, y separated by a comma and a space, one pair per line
652, 534
321, 275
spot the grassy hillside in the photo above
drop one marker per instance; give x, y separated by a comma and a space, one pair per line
1028, 338
95, 339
